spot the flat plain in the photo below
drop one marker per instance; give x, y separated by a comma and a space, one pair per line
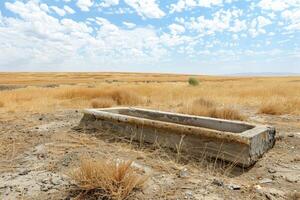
39, 143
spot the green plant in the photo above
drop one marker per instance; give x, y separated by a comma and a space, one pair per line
193, 81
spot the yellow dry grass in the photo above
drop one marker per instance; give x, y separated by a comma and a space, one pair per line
107, 179
102, 103
1, 104
203, 107
229, 95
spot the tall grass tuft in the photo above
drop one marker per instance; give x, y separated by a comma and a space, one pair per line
204, 107
272, 108
102, 103
107, 179
102, 98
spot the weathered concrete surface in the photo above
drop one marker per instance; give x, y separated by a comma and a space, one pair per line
234, 141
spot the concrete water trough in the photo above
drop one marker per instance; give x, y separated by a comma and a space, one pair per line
234, 141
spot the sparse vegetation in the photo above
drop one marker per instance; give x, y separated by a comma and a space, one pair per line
159, 93
52, 143
193, 81
107, 179
204, 107
271, 108
102, 103
107, 97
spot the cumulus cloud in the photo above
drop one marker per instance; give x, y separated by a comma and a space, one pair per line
176, 29
59, 11
44, 7
108, 3
38, 34
69, 9
38, 39
293, 19
84, 5
222, 20
276, 5
209, 3
258, 24
189, 4
146, 8
129, 24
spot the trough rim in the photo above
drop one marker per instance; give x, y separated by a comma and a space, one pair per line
243, 137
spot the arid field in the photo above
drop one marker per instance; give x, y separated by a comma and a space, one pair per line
40, 150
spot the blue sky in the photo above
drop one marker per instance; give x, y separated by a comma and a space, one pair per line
178, 36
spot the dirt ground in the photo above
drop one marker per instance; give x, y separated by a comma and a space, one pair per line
38, 150
42, 148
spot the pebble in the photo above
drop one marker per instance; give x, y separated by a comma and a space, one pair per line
272, 171
233, 187
291, 135
291, 179
217, 182
24, 172
265, 180
183, 173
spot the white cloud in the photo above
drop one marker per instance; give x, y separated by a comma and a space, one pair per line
69, 9
84, 5
209, 3
182, 5
293, 18
222, 20
262, 21
44, 7
37, 39
189, 4
108, 3
176, 29
129, 24
239, 25
258, 24
278, 5
146, 8
59, 11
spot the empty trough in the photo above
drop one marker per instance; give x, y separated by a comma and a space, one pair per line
233, 141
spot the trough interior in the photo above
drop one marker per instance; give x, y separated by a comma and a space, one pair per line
204, 122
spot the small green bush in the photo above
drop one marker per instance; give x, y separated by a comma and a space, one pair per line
193, 81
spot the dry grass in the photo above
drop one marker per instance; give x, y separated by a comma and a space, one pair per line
115, 96
157, 91
278, 105
204, 107
271, 108
107, 179
1, 104
102, 103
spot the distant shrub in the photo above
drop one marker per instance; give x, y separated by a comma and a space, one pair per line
1, 104
193, 81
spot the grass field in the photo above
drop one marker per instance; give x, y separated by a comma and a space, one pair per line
40, 142
223, 97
